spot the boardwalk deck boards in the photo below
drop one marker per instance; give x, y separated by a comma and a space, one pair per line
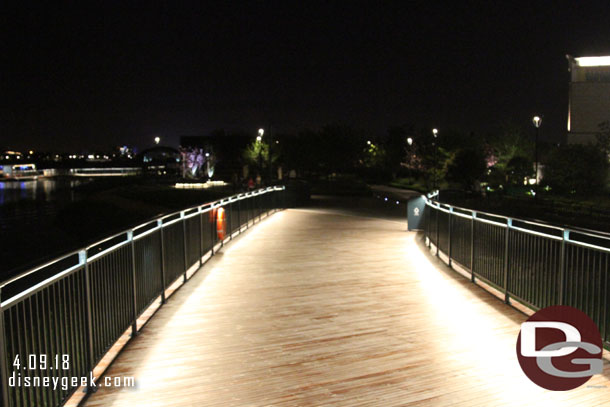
312, 308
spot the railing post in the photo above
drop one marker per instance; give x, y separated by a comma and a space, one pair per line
257, 202
200, 236
186, 266
230, 223
213, 227
134, 324
284, 199
604, 316
472, 228
247, 201
160, 225
238, 214
3, 362
449, 238
428, 211
222, 241
509, 223
82, 257
562, 266
438, 211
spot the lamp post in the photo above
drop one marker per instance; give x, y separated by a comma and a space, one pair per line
435, 135
259, 139
537, 120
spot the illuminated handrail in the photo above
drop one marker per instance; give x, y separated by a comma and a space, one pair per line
81, 303
534, 263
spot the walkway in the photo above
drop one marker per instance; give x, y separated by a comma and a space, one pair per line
313, 308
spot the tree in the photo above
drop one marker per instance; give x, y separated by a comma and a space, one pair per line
517, 169
338, 148
427, 157
576, 168
396, 146
298, 152
508, 143
256, 154
467, 166
603, 138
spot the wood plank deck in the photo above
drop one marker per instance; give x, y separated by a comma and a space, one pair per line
310, 308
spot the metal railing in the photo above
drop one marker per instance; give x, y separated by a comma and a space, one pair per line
534, 263
77, 306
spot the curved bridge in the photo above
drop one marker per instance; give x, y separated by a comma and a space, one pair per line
316, 307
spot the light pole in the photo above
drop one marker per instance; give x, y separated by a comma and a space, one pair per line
259, 140
537, 120
435, 135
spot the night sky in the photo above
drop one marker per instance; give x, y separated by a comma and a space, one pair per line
91, 78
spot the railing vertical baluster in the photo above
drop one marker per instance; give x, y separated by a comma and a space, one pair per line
449, 236
3, 362
82, 257
472, 228
509, 223
185, 251
562, 266
134, 324
160, 225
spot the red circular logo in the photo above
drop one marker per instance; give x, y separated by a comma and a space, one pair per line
559, 348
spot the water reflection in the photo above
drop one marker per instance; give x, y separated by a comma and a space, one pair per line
43, 190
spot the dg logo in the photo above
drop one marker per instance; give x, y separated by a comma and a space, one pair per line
559, 348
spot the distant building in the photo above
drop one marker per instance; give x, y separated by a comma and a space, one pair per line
589, 97
161, 160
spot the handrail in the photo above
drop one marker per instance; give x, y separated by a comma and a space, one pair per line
597, 233
81, 303
62, 257
581, 231
535, 263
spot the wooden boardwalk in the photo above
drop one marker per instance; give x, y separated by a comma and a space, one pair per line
311, 308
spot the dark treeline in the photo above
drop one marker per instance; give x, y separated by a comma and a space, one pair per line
497, 162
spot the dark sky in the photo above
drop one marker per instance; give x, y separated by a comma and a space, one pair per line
77, 78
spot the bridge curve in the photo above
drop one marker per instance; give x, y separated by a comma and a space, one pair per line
316, 307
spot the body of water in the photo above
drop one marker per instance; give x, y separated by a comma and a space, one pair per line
41, 190
28, 225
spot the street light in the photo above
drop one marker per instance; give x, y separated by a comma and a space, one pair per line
409, 141
157, 140
537, 120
